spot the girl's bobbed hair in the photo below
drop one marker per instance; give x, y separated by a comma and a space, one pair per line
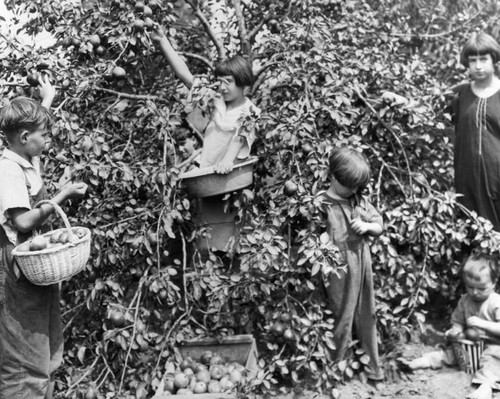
478, 261
480, 44
237, 67
350, 168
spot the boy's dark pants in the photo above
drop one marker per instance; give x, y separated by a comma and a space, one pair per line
352, 301
31, 341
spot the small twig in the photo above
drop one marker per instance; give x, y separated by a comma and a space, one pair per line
434, 35
122, 52
189, 160
138, 295
87, 372
184, 266
377, 154
393, 133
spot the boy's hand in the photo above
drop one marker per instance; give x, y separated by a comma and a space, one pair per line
158, 33
47, 91
454, 332
75, 190
224, 167
476, 322
360, 227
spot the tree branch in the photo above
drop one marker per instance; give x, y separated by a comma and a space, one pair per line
221, 51
257, 28
198, 57
242, 29
434, 35
131, 96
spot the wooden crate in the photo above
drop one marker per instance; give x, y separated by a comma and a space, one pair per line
237, 348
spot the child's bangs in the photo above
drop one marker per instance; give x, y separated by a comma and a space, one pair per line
238, 67
480, 44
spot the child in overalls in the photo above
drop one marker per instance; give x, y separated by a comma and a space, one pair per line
31, 341
351, 220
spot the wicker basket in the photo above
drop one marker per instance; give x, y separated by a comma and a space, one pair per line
58, 263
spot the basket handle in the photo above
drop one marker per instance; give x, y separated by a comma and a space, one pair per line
63, 216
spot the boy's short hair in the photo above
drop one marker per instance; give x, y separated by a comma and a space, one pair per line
238, 67
23, 113
349, 167
480, 44
471, 267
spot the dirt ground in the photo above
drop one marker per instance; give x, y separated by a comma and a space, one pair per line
447, 383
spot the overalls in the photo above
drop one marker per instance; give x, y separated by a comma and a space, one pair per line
31, 341
350, 295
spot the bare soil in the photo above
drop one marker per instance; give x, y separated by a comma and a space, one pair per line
446, 383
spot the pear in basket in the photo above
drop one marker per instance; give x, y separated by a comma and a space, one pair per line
38, 243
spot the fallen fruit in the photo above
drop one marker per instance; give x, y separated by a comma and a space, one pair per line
147, 11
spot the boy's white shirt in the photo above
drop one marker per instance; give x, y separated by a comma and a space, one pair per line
29, 183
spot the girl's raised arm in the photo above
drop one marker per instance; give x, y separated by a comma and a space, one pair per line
180, 68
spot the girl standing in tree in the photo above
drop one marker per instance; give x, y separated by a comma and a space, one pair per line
476, 111
228, 117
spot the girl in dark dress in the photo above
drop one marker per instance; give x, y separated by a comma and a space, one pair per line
477, 128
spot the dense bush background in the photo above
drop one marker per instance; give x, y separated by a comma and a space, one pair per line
327, 74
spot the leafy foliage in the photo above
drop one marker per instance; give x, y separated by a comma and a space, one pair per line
330, 73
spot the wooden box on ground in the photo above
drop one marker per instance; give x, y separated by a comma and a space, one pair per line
237, 348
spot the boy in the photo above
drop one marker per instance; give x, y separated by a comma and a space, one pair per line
351, 220
479, 308
30, 318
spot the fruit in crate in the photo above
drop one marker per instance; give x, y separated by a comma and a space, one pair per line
217, 375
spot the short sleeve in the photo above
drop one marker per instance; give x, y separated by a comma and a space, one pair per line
458, 315
17, 195
248, 126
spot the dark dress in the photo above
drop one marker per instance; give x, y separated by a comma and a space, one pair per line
477, 152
